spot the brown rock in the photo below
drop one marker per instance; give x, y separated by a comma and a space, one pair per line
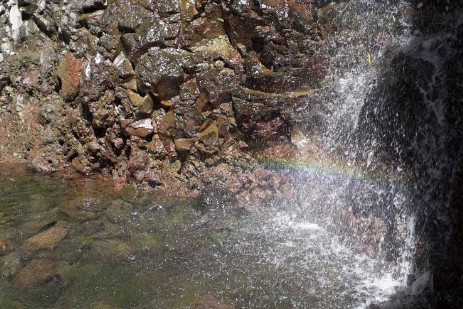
35, 273
147, 105
201, 102
243, 144
167, 103
210, 135
69, 70
183, 144
167, 125
141, 128
123, 66
187, 122
156, 147
131, 84
134, 98
48, 239
219, 47
80, 164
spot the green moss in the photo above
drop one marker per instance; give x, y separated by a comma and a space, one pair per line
26, 59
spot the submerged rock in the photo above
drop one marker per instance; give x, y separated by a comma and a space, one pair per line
35, 273
47, 239
119, 211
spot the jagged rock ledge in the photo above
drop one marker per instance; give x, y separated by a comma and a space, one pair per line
163, 94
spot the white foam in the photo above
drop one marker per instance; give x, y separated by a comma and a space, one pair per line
307, 226
379, 289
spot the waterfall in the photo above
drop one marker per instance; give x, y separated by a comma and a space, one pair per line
392, 129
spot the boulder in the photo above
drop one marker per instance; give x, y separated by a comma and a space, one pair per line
160, 73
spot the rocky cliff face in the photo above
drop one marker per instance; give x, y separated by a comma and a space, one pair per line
154, 91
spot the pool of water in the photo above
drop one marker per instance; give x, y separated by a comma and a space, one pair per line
78, 243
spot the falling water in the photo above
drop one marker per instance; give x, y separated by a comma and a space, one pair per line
390, 136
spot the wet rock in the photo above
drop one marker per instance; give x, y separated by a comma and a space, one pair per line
130, 15
217, 83
153, 33
142, 105
157, 148
208, 140
111, 43
189, 91
100, 76
134, 98
138, 160
92, 21
270, 114
35, 273
47, 239
188, 121
167, 126
147, 105
160, 73
183, 144
148, 81
219, 48
123, 66
141, 128
68, 71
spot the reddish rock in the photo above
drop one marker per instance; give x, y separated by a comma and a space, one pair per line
68, 71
